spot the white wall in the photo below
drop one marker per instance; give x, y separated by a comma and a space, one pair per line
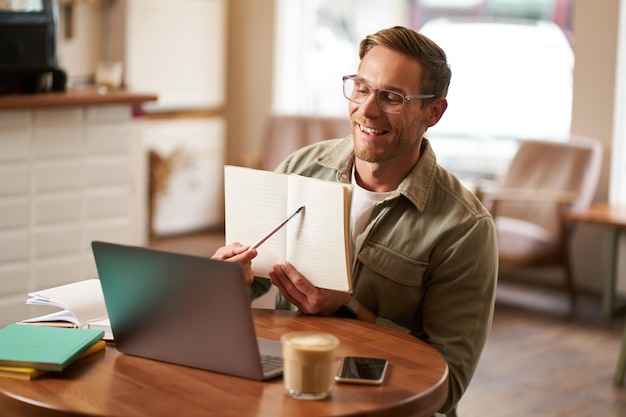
593, 114
249, 77
78, 54
617, 189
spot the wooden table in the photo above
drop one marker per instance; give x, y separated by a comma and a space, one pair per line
112, 384
614, 219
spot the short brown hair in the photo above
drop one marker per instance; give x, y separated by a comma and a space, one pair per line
436, 72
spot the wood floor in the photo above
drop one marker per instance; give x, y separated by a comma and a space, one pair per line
541, 358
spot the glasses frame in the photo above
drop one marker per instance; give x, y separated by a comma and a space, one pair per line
405, 97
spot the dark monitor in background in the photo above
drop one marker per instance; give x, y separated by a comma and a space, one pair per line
28, 47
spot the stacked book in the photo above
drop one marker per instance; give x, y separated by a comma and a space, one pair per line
27, 352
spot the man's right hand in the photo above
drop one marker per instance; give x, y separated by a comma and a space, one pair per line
242, 254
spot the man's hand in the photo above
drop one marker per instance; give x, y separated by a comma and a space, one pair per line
301, 293
242, 254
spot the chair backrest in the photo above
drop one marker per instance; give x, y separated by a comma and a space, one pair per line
287, 133
572, 166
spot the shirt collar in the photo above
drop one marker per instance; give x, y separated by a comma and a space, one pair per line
415, 187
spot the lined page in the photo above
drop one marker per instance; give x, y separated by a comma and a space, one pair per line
255, 202
318, 241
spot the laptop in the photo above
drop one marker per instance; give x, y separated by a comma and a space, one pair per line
183, 309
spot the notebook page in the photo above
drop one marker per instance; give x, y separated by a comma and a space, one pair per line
255, 202
318, 241
83, 299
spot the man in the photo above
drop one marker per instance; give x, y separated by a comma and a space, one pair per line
425, 257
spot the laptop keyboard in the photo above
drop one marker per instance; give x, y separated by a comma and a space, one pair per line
271, 363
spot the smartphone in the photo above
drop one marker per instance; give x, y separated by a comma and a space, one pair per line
360, 370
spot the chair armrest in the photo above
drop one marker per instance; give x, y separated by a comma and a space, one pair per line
527, 195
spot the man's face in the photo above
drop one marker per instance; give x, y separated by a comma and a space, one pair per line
383, 137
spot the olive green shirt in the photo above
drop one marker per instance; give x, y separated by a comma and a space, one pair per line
426, 263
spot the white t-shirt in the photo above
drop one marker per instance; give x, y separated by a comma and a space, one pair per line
363, 203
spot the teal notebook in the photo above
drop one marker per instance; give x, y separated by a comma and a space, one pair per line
43, 347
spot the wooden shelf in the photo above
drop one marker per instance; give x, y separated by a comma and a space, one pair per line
71, 98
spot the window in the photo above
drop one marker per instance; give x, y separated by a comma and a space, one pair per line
317, 43
517, 84
512, 68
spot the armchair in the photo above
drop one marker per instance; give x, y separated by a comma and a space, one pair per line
288, 133
543, 181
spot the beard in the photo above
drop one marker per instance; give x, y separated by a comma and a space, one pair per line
375, 152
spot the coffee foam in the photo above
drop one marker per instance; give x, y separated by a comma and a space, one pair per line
311, 341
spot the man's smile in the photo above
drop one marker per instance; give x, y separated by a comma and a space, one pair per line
371, 130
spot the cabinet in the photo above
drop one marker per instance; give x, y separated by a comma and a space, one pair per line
186, 160
178, 50
69, 174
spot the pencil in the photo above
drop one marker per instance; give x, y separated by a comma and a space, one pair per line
276, 229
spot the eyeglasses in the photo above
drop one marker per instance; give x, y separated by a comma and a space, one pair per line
387, 100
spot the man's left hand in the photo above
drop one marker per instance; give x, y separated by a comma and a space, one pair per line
301, 293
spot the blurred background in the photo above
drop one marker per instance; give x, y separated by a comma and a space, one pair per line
244, 82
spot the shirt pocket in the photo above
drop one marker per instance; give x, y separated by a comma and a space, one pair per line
393, 265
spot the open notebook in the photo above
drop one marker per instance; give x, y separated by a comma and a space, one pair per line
81, 303
183, 309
